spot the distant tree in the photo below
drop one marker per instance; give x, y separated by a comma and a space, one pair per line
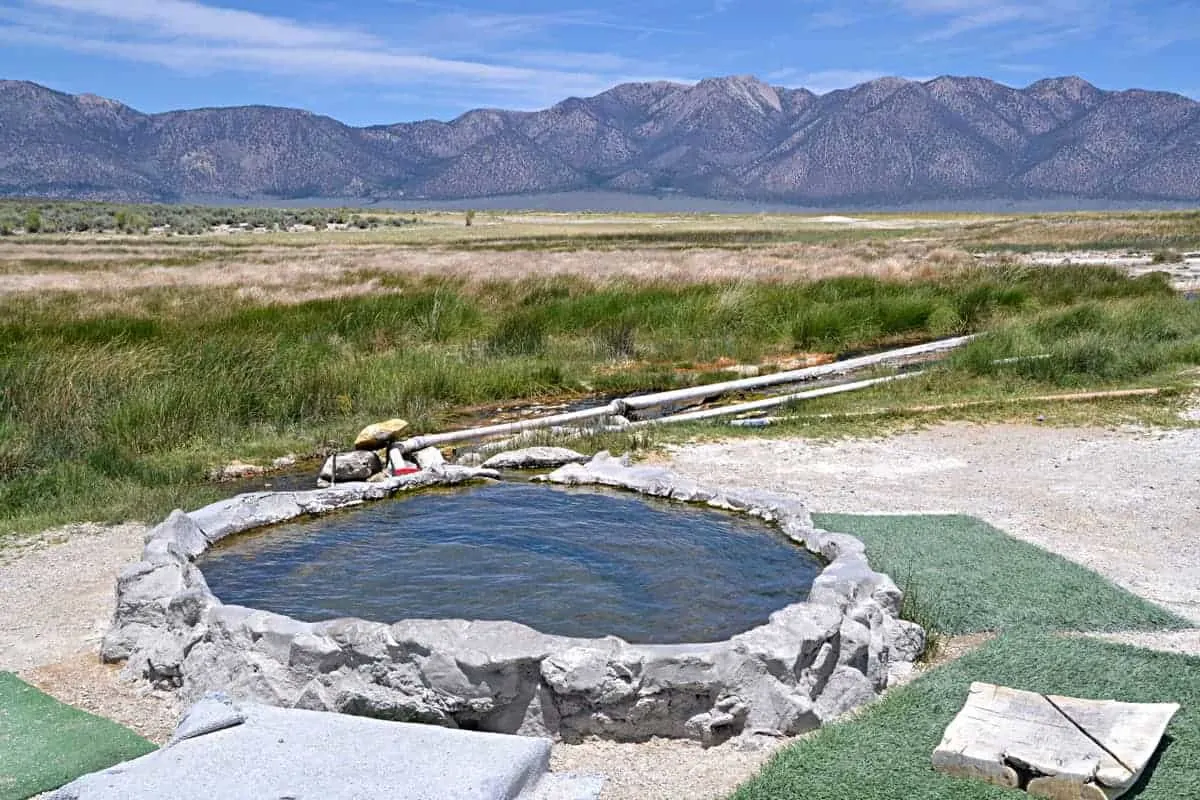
470, 216
136, 223
5, 228
33, 221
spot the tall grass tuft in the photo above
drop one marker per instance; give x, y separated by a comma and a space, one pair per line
1090, 342
919, 606
520, 332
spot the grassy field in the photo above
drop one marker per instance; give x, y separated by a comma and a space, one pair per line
45, 744
969, 578
131, 364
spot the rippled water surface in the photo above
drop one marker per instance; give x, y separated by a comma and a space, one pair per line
574, 562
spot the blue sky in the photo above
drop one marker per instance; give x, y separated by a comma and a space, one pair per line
378, 61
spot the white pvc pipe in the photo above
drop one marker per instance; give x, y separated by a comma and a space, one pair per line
622, 405
509, 428
772, 402
793, 376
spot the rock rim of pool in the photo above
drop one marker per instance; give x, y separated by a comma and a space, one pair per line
810, 663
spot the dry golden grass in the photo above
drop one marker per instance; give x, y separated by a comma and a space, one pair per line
112, 270
335, 268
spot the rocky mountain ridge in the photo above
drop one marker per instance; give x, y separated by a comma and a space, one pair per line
886, 141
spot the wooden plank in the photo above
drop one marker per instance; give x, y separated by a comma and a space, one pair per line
1062, 748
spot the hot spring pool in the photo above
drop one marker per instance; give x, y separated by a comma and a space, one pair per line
572, 562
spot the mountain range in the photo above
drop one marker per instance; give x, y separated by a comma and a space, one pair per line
886, 141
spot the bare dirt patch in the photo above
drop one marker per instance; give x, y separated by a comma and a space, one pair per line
1179, 642
82, 681
662, 769
1184, 273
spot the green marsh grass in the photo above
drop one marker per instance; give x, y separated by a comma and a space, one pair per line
114, 414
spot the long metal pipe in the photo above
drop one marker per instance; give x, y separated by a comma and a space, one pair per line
622, 405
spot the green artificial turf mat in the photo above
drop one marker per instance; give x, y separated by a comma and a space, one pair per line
45, 744
967, 576
884, 753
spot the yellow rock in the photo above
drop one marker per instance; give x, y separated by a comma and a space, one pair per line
381, 434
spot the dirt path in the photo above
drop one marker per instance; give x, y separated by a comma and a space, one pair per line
1125, 503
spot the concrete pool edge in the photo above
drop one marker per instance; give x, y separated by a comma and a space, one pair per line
812, 661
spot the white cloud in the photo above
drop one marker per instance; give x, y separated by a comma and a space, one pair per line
1048, 17
183, 18
375, 66
451, 48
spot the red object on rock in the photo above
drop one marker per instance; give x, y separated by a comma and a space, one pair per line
405, 470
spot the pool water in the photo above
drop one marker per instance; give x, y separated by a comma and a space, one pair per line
573, 562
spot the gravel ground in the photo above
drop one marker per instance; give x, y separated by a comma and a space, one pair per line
662, 769
56, 602
56, 592
1123, 502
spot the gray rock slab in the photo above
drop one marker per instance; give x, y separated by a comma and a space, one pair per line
278, 753
535, 458
214, 713
559, 786
182, 531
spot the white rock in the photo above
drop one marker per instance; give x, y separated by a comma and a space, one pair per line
535, 458
429, 458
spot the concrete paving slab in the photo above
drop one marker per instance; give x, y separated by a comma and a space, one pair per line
278, 754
